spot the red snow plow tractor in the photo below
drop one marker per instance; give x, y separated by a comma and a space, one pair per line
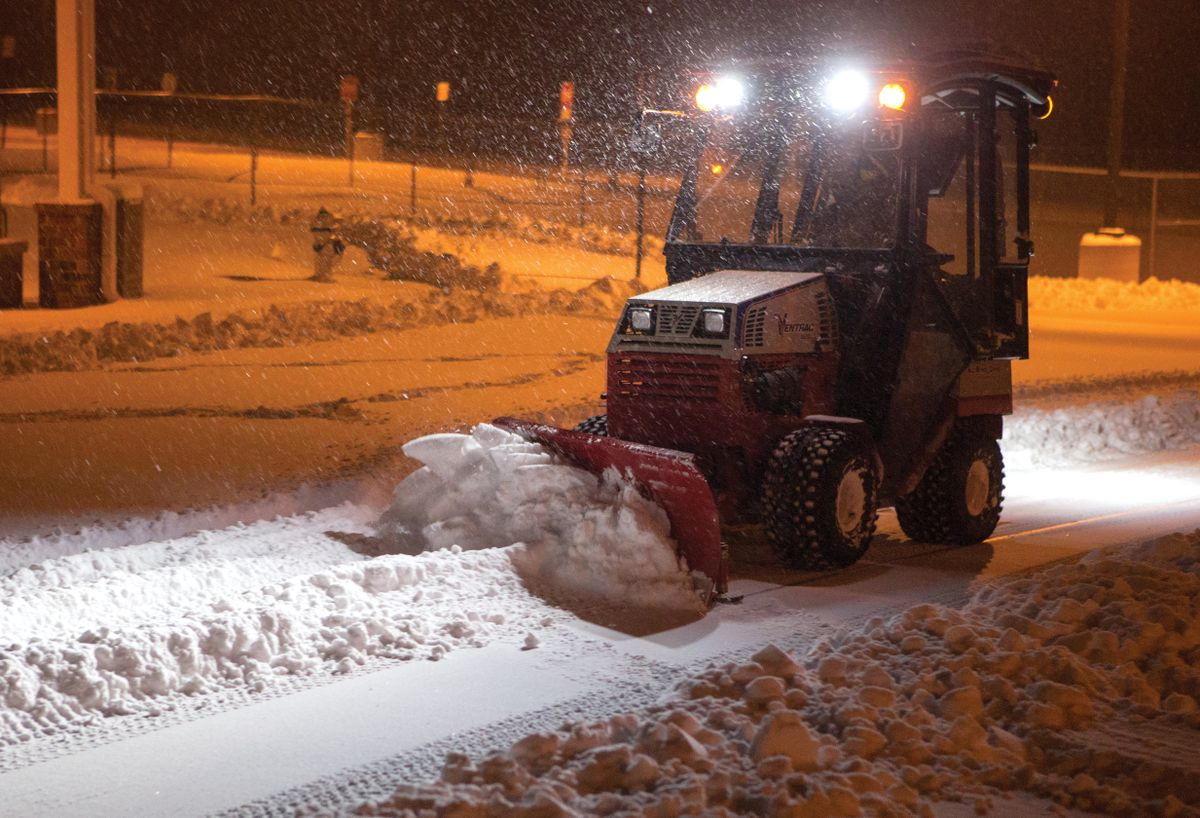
847, 261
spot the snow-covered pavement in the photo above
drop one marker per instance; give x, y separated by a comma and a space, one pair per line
232, 615
333, 741
178, 605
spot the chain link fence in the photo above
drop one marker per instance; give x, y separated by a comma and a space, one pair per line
1162, 207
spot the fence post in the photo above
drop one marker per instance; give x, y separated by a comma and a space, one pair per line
582, 201
253, 174
112, 145
412, 190
348, 127
1150, 269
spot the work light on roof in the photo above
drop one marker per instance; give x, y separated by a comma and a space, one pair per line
847, 90
724, 94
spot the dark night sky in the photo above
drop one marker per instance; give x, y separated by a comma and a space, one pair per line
505, 55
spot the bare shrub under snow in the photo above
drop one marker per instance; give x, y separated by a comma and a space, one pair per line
1007, 694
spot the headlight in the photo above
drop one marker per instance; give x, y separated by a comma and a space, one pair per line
725, 94
641, 319
847, 90
714, 322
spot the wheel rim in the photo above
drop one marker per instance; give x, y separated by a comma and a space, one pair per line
978, 488
851, 500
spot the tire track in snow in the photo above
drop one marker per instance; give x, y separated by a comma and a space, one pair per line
339, 409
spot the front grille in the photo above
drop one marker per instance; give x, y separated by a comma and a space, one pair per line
677, 319
653, 377
756, 323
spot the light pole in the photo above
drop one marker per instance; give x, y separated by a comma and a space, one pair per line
1116, 108
76, 35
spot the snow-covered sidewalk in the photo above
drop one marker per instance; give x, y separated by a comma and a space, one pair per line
1022, 689
453, 562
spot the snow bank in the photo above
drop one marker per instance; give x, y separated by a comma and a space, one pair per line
1105, 430
573, 536
18, 552
130, 630
1014, 692
181, 204
593, 237
487, 519
26, 190
291, 324
1072, 295
186, 204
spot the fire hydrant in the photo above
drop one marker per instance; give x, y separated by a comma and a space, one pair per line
327, 245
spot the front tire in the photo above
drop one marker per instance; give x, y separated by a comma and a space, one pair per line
595, 425
820, 498
959, 499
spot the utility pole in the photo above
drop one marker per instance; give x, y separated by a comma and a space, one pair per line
71, 269
76, 34
348, 91
1116, 111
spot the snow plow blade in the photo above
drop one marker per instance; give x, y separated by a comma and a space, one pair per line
670, 478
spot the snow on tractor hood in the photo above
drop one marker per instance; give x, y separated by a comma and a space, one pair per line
731, 313
729, 287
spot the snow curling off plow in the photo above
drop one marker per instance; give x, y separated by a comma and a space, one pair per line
818, 353
671, 478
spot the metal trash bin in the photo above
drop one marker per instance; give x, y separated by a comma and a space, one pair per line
70, 238
45, 121
130, 234
1110, 252
12, 255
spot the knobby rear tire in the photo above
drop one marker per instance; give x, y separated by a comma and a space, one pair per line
959, 499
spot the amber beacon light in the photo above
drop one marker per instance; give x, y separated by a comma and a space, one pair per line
893, 96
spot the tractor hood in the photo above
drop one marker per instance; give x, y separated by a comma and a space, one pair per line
728, 287
730, 313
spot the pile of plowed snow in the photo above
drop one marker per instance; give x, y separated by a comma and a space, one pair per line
593, 237
293, 324
1072, 295
488, 518
1104, 430
1012, 693
573, 535
127, 630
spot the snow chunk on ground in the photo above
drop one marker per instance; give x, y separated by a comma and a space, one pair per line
1054, 685
573, 536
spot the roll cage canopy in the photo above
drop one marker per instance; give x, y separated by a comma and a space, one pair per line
973, 240
787, 94
955, 84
